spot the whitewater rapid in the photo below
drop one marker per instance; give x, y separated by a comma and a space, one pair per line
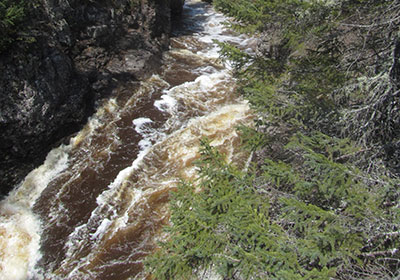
96, 206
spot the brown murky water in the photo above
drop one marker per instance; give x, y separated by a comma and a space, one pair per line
95, 208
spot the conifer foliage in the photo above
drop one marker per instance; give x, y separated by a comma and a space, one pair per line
322, 197
12, 13
304, 221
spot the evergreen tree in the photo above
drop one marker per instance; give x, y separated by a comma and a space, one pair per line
322, 200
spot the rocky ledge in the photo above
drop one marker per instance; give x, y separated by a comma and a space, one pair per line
80, 52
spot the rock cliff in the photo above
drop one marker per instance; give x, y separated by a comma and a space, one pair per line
81, 51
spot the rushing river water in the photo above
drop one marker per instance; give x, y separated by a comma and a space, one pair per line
96, 207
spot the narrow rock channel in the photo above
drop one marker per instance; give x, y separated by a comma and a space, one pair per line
96, 207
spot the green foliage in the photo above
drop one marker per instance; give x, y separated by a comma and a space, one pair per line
12, 14
225, 224
314, 58
257, 15
319, 201
343, 209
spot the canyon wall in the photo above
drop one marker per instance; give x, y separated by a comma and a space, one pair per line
78, 53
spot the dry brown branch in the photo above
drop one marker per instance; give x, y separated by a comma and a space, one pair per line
386, 253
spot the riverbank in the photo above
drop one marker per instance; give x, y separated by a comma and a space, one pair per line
320, 197
75, 53
95, 208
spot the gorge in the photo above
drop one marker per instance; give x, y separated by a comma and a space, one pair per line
68, 57
250, 139
95, 208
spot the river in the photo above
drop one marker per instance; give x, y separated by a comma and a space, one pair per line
96, 207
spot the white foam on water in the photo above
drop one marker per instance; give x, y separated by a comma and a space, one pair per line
19, 243
101, 229
112, 222
144, 131
20, 229
202, 84
149, 134
122, 175
166, 104
112, 194
140, 125
180, 148
95, 122
214, 30
37, 180
122, 220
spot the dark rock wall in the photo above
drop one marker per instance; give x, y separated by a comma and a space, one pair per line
82, 50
